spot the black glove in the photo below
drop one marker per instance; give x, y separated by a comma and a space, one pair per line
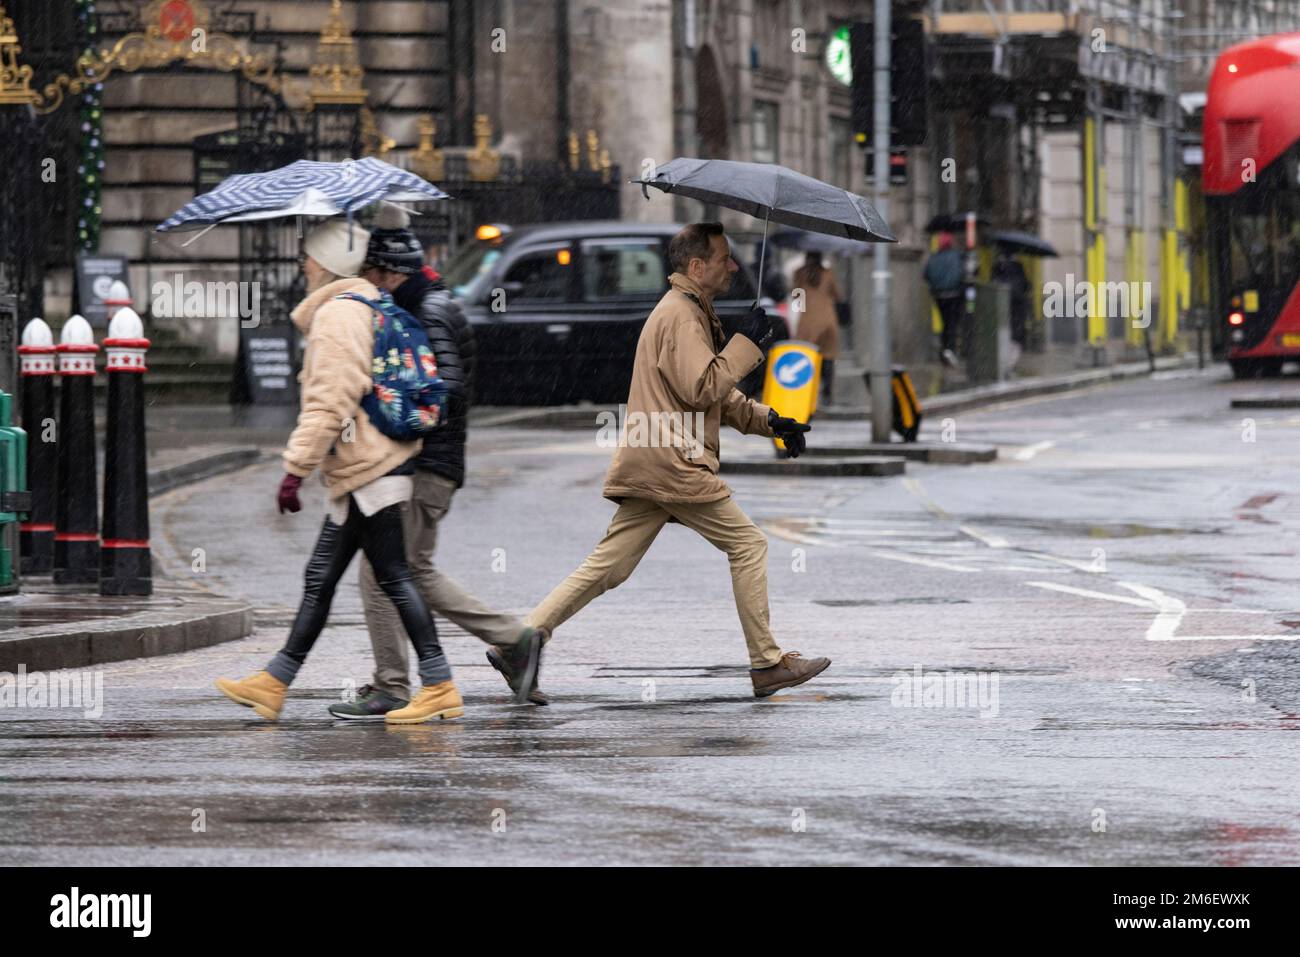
756, 327
788, 431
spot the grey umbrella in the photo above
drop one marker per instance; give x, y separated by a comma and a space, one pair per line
773, 193
789, 238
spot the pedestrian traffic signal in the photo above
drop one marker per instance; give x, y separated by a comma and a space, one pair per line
908, 81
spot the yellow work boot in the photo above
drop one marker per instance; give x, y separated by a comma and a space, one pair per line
434, 701
261, 692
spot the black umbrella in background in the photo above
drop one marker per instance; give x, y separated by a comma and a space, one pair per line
1026, 243
773, 193
952, 223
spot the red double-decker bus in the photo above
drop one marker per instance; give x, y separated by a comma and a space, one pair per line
1251, 181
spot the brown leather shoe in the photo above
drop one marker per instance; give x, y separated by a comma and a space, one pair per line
512, 661
793, 669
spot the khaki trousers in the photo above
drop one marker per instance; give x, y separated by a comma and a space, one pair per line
420, 517
634, 527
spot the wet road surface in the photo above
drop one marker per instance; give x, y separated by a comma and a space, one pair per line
1126, 572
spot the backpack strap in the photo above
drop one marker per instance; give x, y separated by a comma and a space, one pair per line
359, 298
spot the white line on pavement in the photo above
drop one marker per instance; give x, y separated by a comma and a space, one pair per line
1086, 593
1169, 615
1169, 612
988, 538
1027, 452
1090, 567
912, 560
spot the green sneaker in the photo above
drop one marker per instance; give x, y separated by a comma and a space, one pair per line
371, 704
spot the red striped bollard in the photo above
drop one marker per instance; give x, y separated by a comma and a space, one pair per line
124, 552
76, 515
36, 535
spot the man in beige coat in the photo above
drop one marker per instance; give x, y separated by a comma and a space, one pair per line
682, 371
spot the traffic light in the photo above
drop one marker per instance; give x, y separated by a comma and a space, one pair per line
908, 81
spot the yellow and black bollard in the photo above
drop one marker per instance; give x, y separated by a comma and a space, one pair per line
793, 377
906, 407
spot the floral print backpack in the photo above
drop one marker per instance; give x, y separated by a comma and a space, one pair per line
407, 398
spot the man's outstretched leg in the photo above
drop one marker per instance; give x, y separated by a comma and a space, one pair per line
725, 526
507, 634
631, 531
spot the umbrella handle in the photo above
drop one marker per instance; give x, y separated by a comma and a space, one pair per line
761, 256
200, 234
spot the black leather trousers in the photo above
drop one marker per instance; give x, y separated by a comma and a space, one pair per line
379, 536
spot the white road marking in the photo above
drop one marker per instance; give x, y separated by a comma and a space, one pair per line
988, 538
912, 560
801, 539
1169, 612
1090, 567
919, 536
1169, 616
1086, 593
1025, 453
856, 522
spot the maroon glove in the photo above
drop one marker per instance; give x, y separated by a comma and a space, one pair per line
287, 498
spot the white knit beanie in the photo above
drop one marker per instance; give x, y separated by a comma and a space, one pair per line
328, 244
392, 216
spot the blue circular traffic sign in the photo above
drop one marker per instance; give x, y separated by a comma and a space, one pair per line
793, 370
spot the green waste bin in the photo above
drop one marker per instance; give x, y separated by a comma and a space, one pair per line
990, 333
15, 499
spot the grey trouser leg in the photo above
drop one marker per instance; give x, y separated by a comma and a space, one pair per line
429, 502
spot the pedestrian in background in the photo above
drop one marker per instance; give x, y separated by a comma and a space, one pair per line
945, 275
819, 321
684, 366
1009, 271
367, 476
395, 262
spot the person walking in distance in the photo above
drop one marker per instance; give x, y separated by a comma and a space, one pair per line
945, 275
818, 323
683, 366
395, 262
367, 475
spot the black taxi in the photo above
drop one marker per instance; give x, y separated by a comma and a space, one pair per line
557, 308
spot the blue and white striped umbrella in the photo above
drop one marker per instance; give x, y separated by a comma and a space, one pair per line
304, 188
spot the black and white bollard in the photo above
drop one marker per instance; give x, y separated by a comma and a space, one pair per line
37, 354
76, 515
124, 551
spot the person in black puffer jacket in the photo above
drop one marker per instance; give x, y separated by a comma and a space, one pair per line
425, 296
395, 262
